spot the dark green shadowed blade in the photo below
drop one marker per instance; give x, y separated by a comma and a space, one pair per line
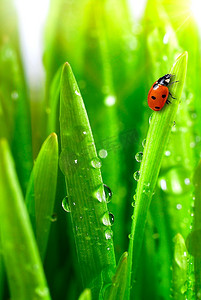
40, 196
86, 198
23, 266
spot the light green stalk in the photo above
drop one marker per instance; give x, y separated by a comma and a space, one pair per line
40, 196
86, 198
23, 266
156, 142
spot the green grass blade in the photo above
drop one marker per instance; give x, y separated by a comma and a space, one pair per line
156, 142
86, 197
194, 240
179, 268
16, 114
40, 196
117, 290
86, 295
21, 257
53, 120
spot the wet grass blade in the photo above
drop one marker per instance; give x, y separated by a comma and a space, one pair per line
156, 142
21, 257
86, 197
40, 196
179, 268
117, 290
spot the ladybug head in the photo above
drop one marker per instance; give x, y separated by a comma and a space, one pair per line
165, 80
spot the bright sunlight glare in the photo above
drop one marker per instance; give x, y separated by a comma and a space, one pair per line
137, 8
32, 15
196, 10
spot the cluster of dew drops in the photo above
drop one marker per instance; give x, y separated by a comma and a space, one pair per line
108, 217
138, 158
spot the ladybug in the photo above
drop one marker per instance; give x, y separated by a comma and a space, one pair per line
159, 92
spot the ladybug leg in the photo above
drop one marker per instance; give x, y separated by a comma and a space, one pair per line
171, 96
173, 82
168, 101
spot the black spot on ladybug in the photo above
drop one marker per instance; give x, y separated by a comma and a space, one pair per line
153, 97
163, 96
157, 107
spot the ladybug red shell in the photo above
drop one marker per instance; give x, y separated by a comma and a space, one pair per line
159, 92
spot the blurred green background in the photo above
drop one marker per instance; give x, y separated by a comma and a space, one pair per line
115, 56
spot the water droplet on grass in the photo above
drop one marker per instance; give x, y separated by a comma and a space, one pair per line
143, 143
68, 162
108, 234
179, 206
136, 175
77, 93
14, 95
110, 100
139, 156
167, 153
65, 204
99, 194
111, 217
96, 163
42, 291
150, 118
102, 153
108, 193
53, 217
106, 219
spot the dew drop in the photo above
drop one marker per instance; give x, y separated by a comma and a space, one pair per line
133, 204
108, 234
106, 219
150, 118
167, 153
65, 204
96, 163
111, 217
108, 193
110, 100
143, 143
184, 288
102, 153
187, 181
139, 156
42, 292
136, 175
14, 95
77, 93
68, 162
99, 194
53, 217
130, 236
179, 206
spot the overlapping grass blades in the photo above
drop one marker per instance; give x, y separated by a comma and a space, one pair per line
14, 105
86, 197
23, 266
156, 142
40, 195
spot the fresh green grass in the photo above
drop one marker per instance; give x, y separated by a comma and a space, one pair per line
100, 199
